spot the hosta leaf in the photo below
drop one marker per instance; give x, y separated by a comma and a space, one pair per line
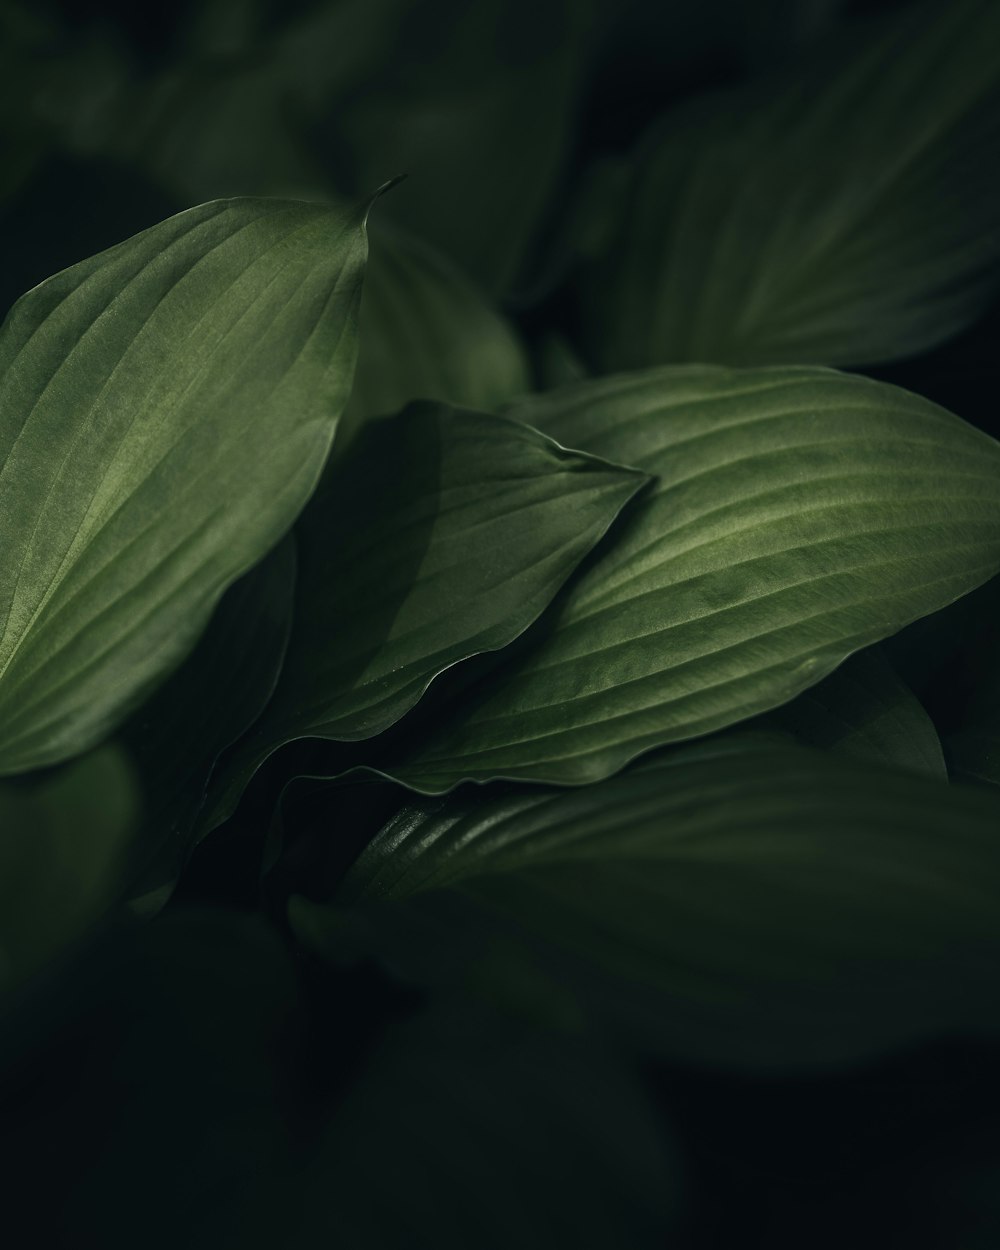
456, 1106
477, 103
443, 534
175, 739
865, 710
735, 900
165, 409
63, 846
844, 216
798, 516
427, 333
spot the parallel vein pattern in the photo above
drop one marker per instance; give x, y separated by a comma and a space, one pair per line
739, 899
843, 217
464, 527
798, 516
165, 409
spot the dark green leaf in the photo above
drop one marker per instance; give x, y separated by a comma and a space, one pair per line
843, 217
443, 534
466, 1130
799, 515
427, 333
866, 711
168, 406
476, 102
738, 900
63, 846
217, 693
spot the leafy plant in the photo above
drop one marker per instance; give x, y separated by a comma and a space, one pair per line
480, 659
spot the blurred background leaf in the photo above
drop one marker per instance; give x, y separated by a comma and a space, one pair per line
844, 217
465, 1128
64, 846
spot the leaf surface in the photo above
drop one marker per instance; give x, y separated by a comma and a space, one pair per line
166, 409
428, 333
176, 738
798, 515
865, 710
845, 215
740, 900
443, 534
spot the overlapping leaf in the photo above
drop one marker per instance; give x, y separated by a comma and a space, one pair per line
738, 900
866, 711
175, 739
165, 409
444, 534
842, 217
427, 333
457, 1102
798, 516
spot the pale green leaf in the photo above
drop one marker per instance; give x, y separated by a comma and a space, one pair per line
165, 410
843, 215
738, 900
798, 516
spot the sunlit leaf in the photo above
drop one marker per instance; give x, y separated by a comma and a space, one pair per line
798, 516
166, 410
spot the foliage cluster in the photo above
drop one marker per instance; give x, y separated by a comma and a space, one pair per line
499, 690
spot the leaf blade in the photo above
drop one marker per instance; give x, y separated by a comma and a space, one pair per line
799, 515
841, 217
168, 405
696, 903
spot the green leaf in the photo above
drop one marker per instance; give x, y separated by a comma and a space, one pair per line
443, 534
63, 846
844, 216
739, 900
457, 1106
175, 739
866, 711
167, 407
477, 103
799, 515
428, 333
